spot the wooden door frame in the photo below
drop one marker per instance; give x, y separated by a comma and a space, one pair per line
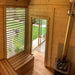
47, 35
4, 34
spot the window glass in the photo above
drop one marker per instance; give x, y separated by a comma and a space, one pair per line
15, 29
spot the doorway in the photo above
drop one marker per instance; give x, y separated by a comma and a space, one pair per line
39, 35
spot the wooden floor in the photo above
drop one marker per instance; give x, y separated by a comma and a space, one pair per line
39, 68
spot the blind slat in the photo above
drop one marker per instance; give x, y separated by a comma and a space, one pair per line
15, 30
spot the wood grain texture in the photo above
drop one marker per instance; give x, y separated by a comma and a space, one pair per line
60, 25
68, 32
38, 12
68, 36
4, 35
57, 26
56, 2
20, 3
22, 62
60, 19
6, 68
39, 67
1, 33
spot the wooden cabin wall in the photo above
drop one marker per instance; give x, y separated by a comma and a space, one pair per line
71, 52
57, 11
13, 3
1, 33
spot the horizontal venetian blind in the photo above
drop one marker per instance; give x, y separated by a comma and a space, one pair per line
15, 30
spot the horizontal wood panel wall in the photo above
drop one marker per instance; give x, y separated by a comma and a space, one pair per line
1, 33
59, 22
52, 2
19, 3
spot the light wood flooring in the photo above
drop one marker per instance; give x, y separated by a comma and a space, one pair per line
39, 68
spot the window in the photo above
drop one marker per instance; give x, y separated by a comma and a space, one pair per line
15, 30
